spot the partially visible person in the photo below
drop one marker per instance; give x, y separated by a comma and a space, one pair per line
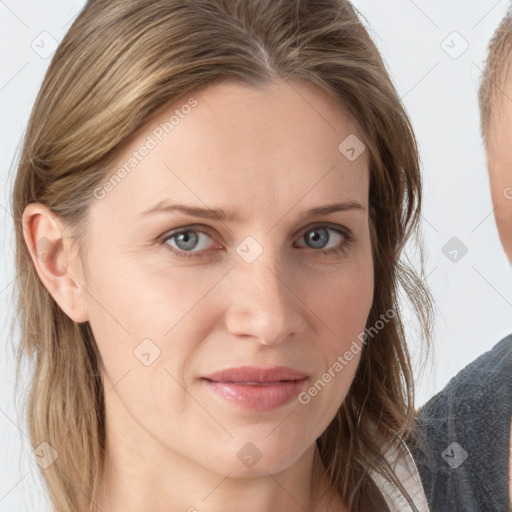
464, 449
495, 98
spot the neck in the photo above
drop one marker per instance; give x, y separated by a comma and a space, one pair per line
163, 481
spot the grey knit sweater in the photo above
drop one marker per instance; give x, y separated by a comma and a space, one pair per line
462, 451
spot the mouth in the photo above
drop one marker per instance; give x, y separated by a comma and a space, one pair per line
253, 383
254, 395
253, 375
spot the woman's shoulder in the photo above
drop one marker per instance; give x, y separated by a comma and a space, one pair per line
407, 473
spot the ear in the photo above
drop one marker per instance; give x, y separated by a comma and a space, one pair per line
54, 259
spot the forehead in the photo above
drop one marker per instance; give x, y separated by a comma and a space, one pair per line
500, 121
278, 143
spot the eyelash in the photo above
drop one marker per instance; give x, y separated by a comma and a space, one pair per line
334, 251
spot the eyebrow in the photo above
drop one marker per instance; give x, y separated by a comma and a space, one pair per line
220, 215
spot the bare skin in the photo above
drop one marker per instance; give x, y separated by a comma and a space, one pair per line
268, 155
499, 164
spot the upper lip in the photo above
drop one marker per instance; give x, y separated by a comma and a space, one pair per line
256, 374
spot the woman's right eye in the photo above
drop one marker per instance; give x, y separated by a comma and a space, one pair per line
186, 240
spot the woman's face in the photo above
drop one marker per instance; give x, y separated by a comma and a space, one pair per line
173, 297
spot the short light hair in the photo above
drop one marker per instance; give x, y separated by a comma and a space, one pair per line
495, 73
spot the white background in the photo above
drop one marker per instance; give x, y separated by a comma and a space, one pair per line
473, 296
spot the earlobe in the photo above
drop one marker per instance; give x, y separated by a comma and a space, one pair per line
54, 260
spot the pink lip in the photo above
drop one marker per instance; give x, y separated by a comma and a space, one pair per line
244, 374
270, 388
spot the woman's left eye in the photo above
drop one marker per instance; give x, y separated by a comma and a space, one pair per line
319, 235
189, 242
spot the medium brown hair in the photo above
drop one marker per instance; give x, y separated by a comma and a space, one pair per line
118, 64
495, 73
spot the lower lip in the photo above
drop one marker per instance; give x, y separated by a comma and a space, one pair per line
258, 397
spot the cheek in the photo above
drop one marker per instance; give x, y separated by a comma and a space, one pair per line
342, 303
344, 297
142, 297
137, 309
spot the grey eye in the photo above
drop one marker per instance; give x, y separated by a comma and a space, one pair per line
318, 237
189, 240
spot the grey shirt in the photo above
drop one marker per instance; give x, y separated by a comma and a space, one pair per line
463, 446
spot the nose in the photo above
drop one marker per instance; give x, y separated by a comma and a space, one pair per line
264, 302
